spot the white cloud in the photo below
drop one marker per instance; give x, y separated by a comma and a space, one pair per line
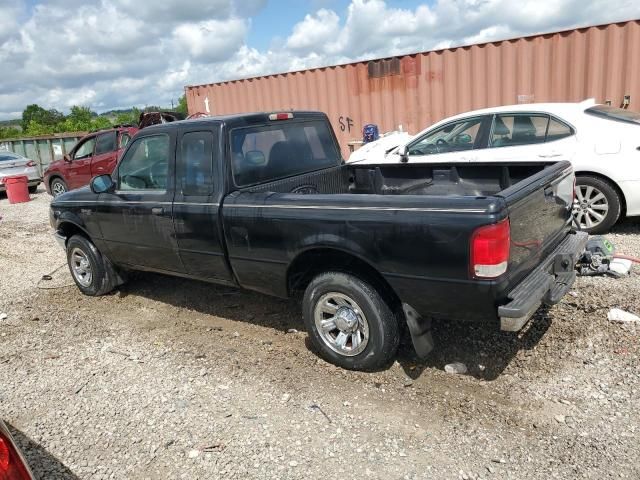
316, 29
212, 40
117, 53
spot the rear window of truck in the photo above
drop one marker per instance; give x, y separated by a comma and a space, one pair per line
268, 152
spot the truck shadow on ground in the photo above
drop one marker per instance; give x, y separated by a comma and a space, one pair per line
43, 464
481, 347
215, 300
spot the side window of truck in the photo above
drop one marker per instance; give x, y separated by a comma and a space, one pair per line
195, 168
145, 165
267, 152
106, 143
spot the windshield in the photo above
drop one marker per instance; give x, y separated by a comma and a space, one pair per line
614, 113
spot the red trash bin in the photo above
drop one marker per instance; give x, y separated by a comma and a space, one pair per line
17, 189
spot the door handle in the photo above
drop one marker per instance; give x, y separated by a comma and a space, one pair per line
157, 211
549, 155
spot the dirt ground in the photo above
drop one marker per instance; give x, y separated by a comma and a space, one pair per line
170, 378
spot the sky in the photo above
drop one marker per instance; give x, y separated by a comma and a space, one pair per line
109, 54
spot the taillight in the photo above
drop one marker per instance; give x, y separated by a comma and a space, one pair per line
31, 163
280, 116
11, 465
489, 255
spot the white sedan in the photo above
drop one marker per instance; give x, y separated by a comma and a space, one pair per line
602, 143
13, 164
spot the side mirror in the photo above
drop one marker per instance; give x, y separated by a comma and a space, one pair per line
463, 139
403, 151
102, 184
67, 158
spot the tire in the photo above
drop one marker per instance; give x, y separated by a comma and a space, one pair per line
595, 197
33, 189
83, 255
58, 187
357, 305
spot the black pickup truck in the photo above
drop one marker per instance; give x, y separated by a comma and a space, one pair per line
264, 202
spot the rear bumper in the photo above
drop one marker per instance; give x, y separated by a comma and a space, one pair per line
545, 285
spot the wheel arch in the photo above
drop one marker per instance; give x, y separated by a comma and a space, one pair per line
317, 260
614, 184
69, 228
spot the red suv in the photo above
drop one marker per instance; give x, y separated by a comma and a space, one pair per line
95, 154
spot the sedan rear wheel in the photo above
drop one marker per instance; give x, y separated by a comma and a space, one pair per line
596, 207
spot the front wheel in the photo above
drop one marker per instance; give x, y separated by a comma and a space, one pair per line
58, 187
349, 322
597, 205
91, 272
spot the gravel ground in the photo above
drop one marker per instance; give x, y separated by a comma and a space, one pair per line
170, 378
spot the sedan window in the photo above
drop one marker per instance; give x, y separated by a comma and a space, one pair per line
511, 130
614, 113
558, 130
8, 157
453, 137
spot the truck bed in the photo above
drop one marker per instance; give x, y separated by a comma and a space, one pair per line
399, 179
420, 245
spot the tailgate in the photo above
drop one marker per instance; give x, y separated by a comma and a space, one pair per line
540, 216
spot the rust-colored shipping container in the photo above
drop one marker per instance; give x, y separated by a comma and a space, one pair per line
417, 90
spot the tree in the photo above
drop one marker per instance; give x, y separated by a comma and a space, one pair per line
35, 128
9, 132
46, 118
182, 105
79, 120
128, 118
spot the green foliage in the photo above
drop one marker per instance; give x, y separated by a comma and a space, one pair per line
35, 128
40, 121
9, 132
128, 117
37, 114
182, 105
79, 120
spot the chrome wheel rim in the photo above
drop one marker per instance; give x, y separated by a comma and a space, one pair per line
590, 207
81, 267
58, 188
341, 324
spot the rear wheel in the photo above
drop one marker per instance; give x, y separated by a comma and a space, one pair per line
597, 205
58, 187
92, 273
349, 322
